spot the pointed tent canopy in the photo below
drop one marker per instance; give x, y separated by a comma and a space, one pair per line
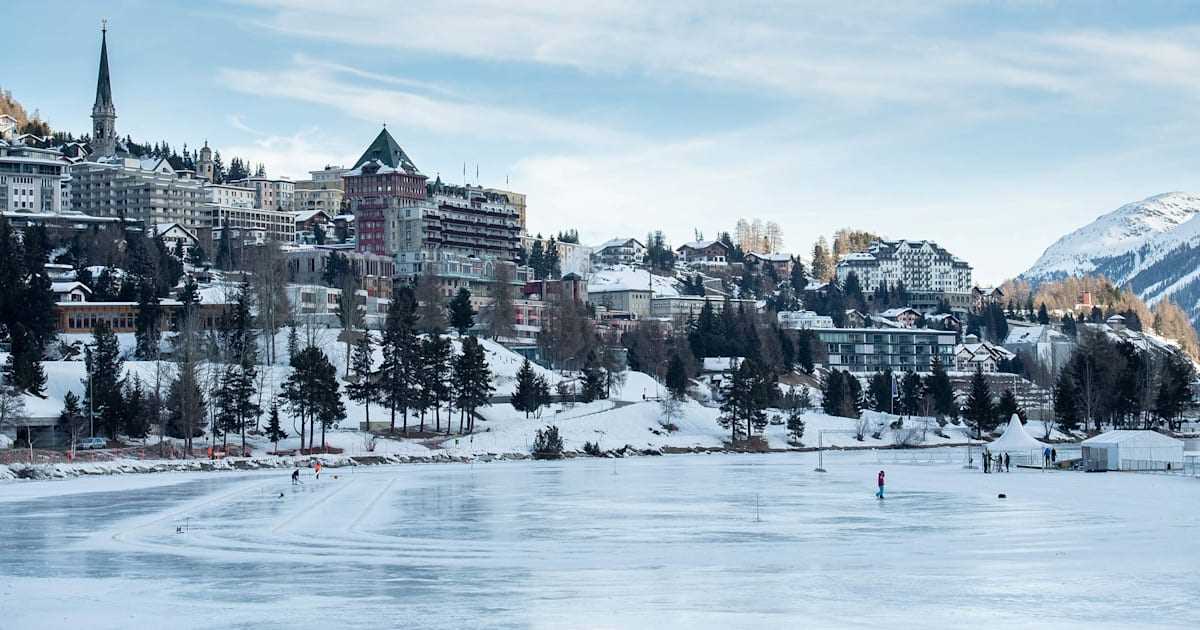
1015, 438
385, 150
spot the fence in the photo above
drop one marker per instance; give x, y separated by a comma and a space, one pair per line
970, 455
1188, 467
921, 456
22, 455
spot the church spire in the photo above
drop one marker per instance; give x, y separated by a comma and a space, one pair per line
103, 87
104, 114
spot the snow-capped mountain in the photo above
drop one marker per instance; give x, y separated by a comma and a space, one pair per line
1151, 246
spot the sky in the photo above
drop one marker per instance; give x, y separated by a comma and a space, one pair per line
991, 128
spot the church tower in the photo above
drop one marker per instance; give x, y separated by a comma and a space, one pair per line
104, 115
204, 165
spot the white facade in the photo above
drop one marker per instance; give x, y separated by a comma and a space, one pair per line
147, 190
31, 179
230, 195
803, 320
919, 265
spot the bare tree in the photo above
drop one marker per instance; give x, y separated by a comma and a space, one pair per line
503, 315
269, 281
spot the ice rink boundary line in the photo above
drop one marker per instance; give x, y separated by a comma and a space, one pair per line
325, 497
190, 507
371, 505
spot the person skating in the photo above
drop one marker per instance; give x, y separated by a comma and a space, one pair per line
1007, 463
295, 476
879, 480
318, 469
1053, 455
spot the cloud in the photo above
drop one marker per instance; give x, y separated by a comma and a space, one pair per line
292, 155
379, 99
864, 54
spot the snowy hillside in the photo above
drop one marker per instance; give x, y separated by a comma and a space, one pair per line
1150, 246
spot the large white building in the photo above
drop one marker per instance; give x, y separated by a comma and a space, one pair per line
927, 271
147, 190
30, 178
270, 193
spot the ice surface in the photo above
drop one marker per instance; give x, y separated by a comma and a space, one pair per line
665, 542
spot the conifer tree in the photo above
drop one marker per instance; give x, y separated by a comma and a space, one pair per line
524, 397
1066, 401
472, 380
401, 357
677, 377
362, 386
593, 379
941, 391
275, 430
980, 410
1007, 406
102, 392
462, 316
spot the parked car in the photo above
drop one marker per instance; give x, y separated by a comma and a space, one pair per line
92, 442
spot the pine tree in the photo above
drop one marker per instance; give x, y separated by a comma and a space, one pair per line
912, 393
462, 316
472, 379
105, 365
1066, 401
1043, 316
537, 258
822, 266
363, 388
72, 420
275, 430
795, 423
135, 408
401, 357
980, 410
23, 367
524, 397
941, 391
677, 377
1007, 406
593, 379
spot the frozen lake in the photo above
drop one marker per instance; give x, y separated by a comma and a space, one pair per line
668, 542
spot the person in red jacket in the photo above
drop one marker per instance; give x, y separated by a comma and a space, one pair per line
879, 480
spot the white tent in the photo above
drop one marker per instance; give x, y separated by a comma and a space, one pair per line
1015, 438
1132, 450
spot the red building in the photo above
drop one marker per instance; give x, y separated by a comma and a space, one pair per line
381, 185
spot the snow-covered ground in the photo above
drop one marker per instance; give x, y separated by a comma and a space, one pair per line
715, 541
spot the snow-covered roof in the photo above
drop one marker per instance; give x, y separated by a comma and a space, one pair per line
66, 287
1133, 436
983, 350
1034, 334
857, 256
772, 257
625, 278
618, 242
721, 364
305, 215
893, 313
1015, 438
701, 244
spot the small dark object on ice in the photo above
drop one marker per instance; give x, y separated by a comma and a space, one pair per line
1002, 496
280, 495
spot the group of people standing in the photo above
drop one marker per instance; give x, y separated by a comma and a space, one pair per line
1000, 462
1049, 457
